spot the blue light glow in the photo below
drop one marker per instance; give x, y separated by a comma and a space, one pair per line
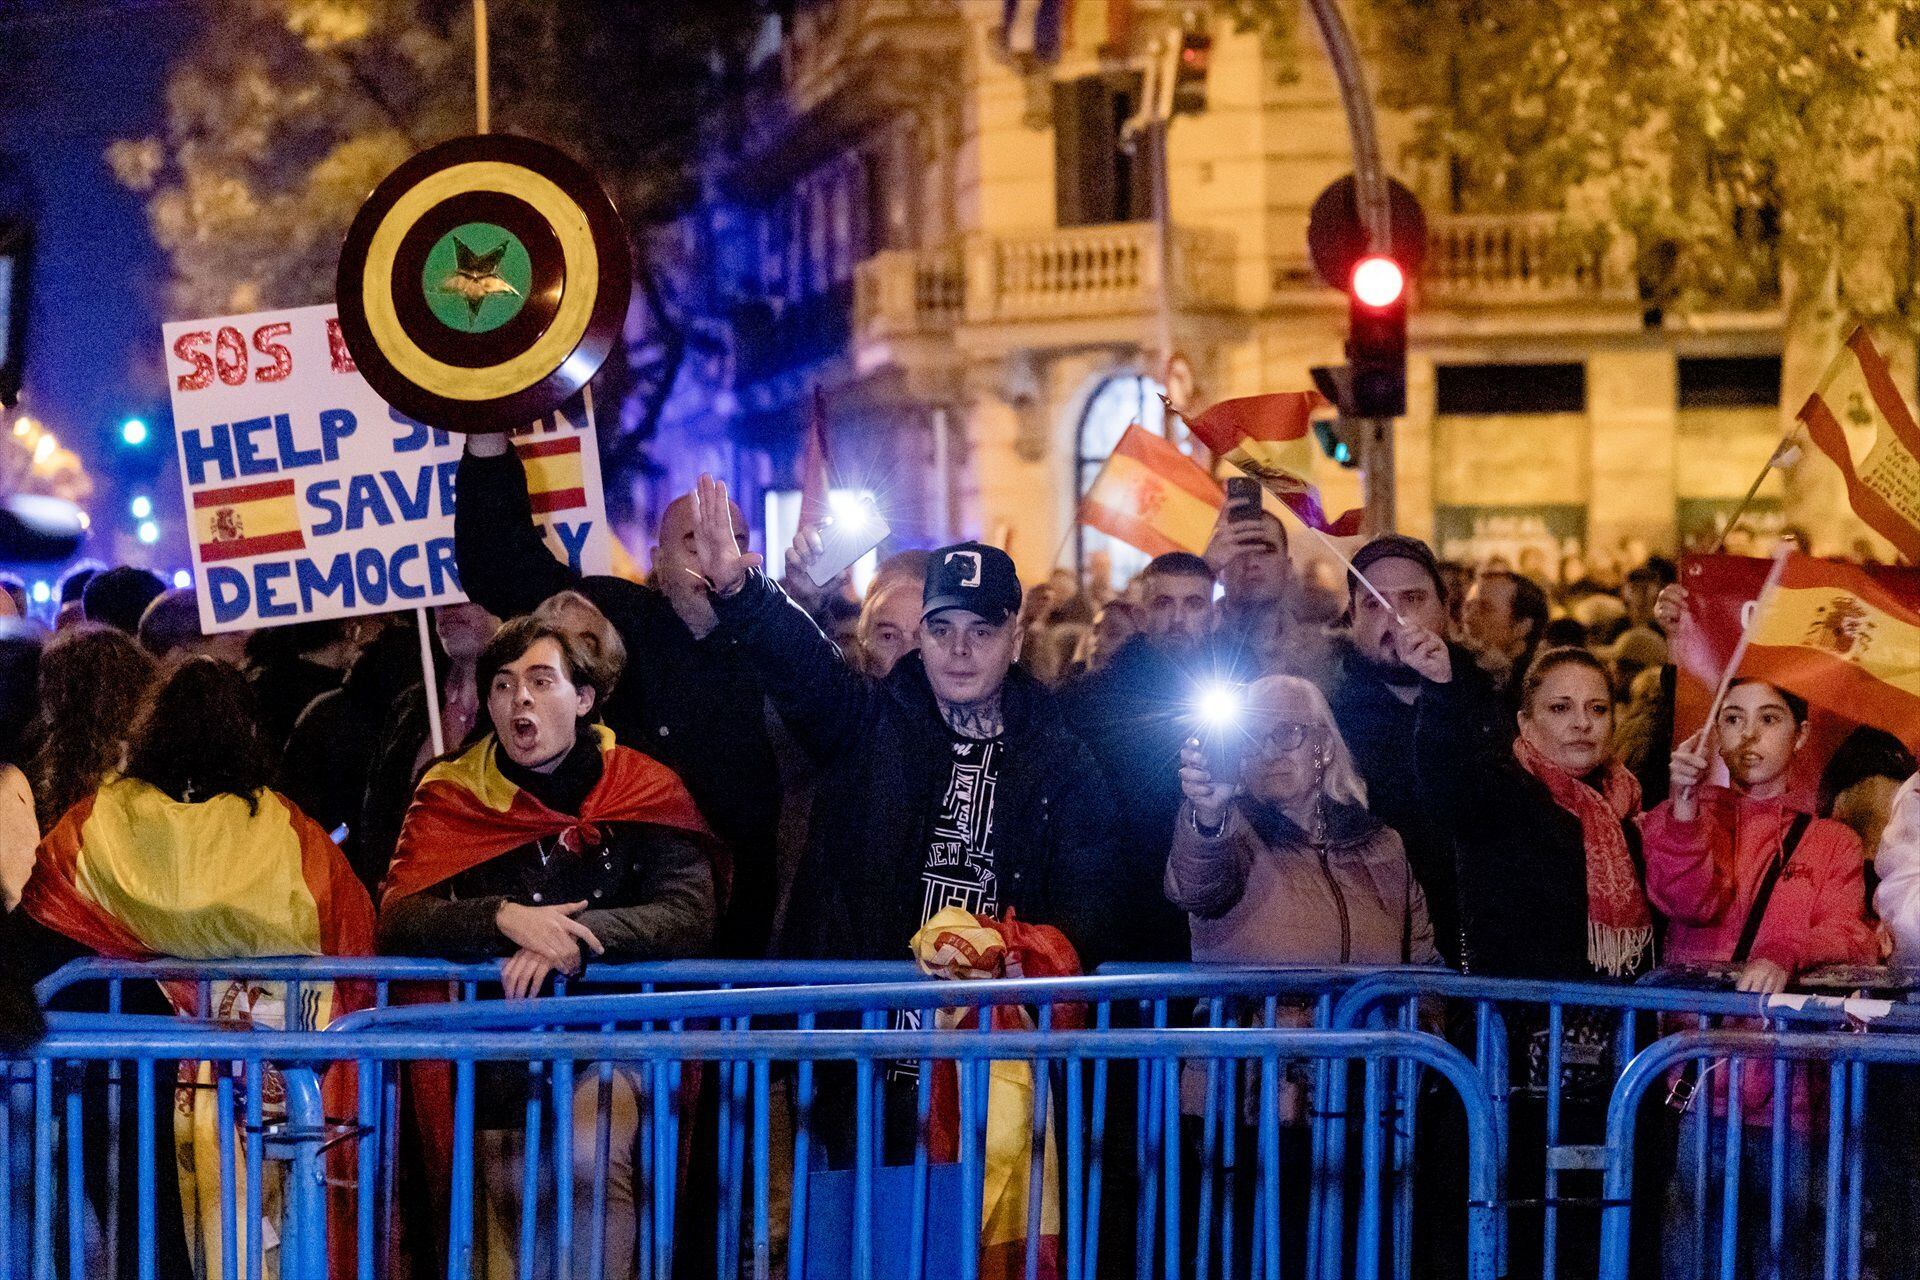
134, 432
142, 507
42, 592
148, 532
182, 579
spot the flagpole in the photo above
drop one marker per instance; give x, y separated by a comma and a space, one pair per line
1773, 460
1746, 632
1335, 552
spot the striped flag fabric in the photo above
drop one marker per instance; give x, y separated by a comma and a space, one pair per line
1842, 641
1151, 496
237, 521
555, 479
1270, 438
1858, 391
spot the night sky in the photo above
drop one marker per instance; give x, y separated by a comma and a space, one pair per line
74, 76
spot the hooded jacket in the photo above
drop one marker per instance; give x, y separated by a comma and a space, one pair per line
1261, 892
884, 753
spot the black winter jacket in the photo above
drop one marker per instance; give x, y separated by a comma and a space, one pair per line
1379, 728
883, 752
1522, 859
694, 705
1135, 715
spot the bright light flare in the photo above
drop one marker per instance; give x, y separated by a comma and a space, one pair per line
148, 532
42, 592
44, 447
1220, 706
134, 432
182, 579
142, 507
850, 510
1378, 281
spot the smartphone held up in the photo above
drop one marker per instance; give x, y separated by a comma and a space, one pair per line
853, 528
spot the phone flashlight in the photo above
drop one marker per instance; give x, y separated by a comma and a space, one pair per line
1221, 711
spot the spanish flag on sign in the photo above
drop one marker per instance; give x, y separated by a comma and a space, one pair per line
247, 520
555, 481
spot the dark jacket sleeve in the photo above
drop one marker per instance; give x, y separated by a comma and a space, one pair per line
427, 924
1082, 888
676, 911
390, 786
820, 697
504, 563
1457, 748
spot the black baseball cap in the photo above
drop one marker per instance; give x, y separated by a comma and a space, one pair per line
972, 576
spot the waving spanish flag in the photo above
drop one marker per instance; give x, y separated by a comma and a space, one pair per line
1842, 641
133, 874
1153, 497
1858, 391
1270, 438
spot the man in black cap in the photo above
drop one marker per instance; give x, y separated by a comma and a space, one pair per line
953, 781
1376, 701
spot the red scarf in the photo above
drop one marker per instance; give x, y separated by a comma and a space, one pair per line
1619, 921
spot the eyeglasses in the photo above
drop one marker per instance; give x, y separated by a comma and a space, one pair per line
1287, 735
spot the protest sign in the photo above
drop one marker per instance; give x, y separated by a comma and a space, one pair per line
308, 497
1722, 591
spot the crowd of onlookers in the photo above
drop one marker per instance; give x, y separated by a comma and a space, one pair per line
1234, 757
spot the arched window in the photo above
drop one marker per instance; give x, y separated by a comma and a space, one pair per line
1115, 405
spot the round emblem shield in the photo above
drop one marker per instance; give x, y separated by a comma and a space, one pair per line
483, 282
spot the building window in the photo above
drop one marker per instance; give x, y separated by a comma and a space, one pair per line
1485, 390
1730, 382
1115, 405
1098, 176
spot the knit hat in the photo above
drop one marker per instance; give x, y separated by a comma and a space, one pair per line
1389, 546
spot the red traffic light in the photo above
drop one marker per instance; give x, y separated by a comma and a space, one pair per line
1378, 281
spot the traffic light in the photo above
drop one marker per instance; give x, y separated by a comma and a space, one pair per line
1190, 73
1377, 338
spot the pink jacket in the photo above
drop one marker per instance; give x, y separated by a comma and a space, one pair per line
1703, 876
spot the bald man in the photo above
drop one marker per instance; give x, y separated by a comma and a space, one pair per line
687, 698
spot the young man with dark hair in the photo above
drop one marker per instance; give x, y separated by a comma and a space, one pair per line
1397, 667
951, 782
689, 699
1135, 714
542, 843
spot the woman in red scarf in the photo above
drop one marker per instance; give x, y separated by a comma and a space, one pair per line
1544, 827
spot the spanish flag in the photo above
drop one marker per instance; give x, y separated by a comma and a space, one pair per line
247, 520
132, 874
555, 481
1269, 438
1858, 391
1151, 496
1842, 641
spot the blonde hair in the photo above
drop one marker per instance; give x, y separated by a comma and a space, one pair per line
1341, 782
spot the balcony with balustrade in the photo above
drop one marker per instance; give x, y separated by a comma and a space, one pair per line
1077, 284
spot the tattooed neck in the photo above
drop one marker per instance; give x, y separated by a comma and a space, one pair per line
974, 719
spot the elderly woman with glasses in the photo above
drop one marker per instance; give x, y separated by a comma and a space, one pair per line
1275, 856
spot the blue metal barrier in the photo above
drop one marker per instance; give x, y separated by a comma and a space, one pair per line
1840, 1197
745, 1059
1630, 1010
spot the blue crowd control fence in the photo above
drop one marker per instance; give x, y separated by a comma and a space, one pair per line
1579, 1038
1775, 1194
924, 1236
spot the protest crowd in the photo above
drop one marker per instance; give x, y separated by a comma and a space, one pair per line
1245, 756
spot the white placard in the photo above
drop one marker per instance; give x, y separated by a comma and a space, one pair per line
308, 497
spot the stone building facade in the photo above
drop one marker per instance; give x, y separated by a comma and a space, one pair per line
954, 242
